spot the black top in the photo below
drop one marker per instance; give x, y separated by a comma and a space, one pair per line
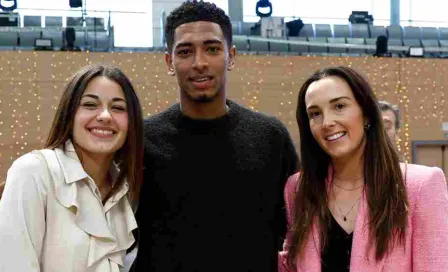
212, 198
336, 256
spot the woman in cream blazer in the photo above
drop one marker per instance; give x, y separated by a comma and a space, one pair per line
68, 207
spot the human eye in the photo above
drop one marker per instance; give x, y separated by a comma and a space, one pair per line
340, 106
89, 105
214, 49
119, 108
183, 52
313, 114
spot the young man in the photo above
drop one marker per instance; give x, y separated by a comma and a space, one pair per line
212, 198
391, 119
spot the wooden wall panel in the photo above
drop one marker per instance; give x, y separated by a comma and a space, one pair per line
31, 84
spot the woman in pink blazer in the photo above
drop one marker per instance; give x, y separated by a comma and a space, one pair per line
353, 206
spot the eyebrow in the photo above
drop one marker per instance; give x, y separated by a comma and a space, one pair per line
331, 101
213, 41
184, 44
207, 42
115, 99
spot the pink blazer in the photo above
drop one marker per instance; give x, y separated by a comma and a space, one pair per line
426, 241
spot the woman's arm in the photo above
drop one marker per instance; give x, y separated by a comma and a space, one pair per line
290, 192
22, 215
430, 225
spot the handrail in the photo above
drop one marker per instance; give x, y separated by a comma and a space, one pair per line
339, 45
77, 10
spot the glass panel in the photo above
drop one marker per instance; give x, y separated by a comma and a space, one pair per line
322, 11
126, 17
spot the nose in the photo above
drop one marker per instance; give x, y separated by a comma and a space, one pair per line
104, 116
200, 61
328, 121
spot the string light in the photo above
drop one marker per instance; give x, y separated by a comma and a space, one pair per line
31, 83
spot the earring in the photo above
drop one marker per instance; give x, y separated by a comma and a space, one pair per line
367, 126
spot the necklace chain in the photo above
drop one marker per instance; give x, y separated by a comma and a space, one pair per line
352, 179
342, 188
348, 179
344, 216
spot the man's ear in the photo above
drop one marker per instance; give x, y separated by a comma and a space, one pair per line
231, 60
169, 64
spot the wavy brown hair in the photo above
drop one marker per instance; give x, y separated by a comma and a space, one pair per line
384, 183
129, 157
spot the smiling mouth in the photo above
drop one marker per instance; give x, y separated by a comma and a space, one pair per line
102, 132
201, 79
336, 136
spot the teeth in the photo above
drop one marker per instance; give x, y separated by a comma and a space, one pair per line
335, 136
103, 132
201, 79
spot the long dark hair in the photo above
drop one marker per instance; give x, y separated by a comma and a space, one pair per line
130, 156
384, 183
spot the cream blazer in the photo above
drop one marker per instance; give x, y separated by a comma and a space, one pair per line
60, 224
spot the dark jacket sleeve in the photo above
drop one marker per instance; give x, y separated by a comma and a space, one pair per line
290, 166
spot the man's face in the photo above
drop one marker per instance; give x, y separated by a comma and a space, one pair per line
389, 121
200, 60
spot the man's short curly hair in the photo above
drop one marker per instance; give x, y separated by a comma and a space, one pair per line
194, 11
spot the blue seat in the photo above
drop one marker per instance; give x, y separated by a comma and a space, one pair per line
395, 32
371, 41
443, 33
430, 33
341, 31
241, 43
360, 30
32, 21
397, 42
55, 21
8, 38
412, 32
298, 48
430, 43
278, 45
332, 49
323, 30
356, 41
316, 48
307, 31
259, 46
376, 31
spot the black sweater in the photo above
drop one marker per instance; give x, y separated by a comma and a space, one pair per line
212, 198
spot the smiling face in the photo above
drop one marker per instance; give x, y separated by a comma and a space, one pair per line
101, 120
200, 60
335, 117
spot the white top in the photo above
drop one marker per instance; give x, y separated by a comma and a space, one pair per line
61, 225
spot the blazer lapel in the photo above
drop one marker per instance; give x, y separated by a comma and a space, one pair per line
310, 259
363, 252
